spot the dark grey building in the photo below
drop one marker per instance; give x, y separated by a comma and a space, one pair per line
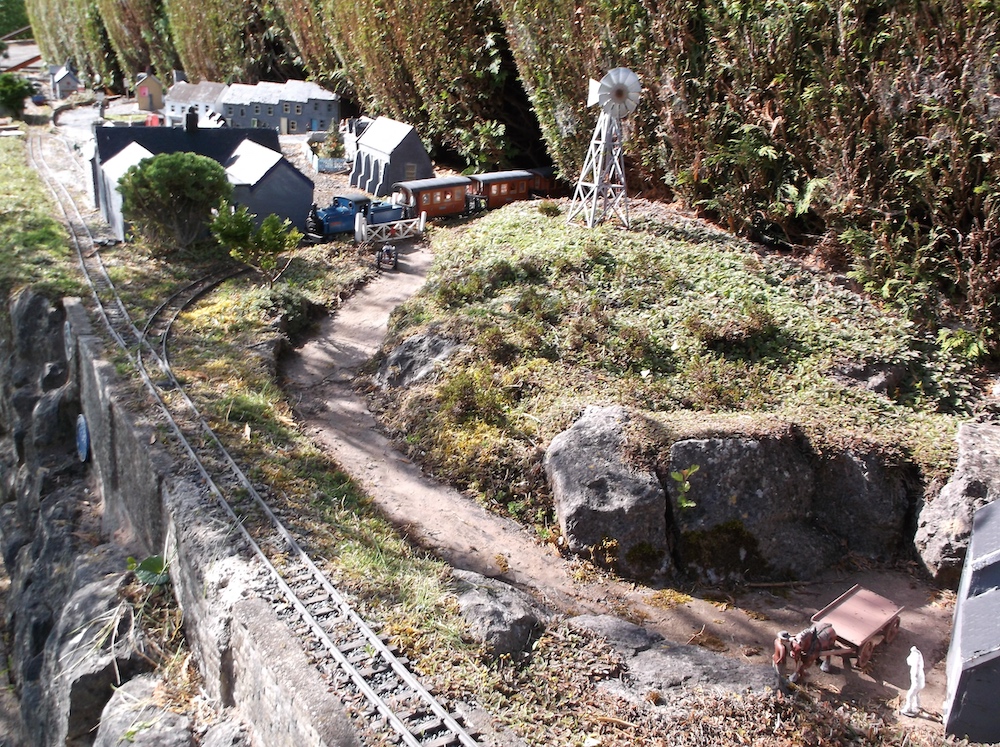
973, 665
388, 152
266, 182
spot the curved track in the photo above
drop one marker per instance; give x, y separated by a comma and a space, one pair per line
387, 702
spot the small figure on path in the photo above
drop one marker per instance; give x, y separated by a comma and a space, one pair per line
916, 661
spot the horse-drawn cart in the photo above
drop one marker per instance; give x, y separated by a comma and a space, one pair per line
860, 618
848, 627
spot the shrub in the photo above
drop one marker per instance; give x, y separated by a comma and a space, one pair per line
169, 198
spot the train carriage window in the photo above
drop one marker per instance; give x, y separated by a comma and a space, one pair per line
425, 198
522, 187
437, 197
493, 189
503, 188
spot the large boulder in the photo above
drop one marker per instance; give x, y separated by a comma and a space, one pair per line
602, 500
501, 618
944, 525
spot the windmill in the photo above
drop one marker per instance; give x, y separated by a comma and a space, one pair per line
602, 180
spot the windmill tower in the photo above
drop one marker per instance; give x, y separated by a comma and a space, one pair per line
601, 186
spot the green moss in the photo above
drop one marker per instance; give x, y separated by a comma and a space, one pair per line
728, 549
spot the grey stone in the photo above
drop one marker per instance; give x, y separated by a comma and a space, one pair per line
600, 496
414, 359
752, 512
944, 524
864, 502
132, 717
657, 665
503, 619
228, 733
95, 646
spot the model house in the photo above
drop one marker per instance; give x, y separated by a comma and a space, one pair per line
388, 152
205, 98
148, 92
263, 179
289, 107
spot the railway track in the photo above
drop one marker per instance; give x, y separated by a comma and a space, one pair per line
386, 701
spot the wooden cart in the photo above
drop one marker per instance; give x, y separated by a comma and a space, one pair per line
860, 617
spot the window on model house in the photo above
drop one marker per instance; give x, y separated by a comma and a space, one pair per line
298, 108
293, 126
270, 111
256, 108
286, 108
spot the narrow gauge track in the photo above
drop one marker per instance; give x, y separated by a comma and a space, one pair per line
386, 700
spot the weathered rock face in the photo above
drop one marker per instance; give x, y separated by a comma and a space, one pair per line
763, 507
944, 525
599, 497
503, 619
416, 358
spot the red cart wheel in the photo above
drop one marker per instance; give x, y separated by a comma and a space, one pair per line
891, 630
865, 654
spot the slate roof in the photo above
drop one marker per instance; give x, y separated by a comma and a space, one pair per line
218, 144
271, 93
384, 135
250, 163
205, 92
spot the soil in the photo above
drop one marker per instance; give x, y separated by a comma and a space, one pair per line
320, 375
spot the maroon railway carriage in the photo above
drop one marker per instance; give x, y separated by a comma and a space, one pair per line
440, 196
501, 187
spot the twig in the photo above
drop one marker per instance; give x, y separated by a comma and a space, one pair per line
696, 635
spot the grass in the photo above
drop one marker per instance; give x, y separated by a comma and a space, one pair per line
33, 243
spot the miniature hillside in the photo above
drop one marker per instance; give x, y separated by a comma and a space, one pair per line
698, 334
863, 133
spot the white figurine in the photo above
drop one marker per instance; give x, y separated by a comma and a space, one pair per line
916, 662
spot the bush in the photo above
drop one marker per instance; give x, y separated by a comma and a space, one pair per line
169, 198
13, 91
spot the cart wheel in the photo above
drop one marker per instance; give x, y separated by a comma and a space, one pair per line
891, 630
865, 654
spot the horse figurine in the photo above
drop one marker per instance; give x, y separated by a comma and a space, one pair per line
804, 648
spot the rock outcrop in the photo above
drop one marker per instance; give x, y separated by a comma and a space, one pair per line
763, 506
945, 523
604, 503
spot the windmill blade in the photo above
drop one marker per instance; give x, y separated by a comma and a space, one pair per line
618, 92
593, 93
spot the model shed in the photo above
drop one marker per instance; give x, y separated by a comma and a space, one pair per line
389, 152
266, 182
973, 664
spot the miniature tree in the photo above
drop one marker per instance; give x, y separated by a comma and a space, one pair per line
13, 91
169, 198
261, 247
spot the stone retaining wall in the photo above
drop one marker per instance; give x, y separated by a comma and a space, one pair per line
150, 502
